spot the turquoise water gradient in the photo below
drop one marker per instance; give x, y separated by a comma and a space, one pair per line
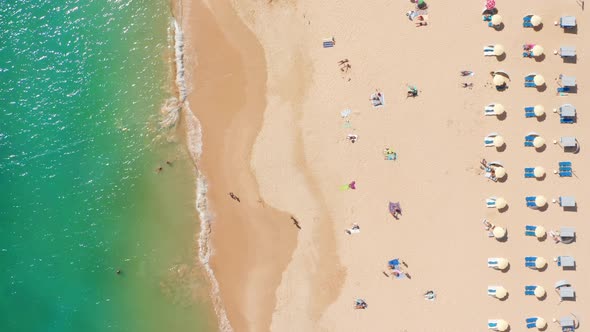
81, 84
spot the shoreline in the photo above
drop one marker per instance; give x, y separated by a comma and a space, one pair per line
250, 237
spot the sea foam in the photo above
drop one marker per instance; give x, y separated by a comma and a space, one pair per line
195, 147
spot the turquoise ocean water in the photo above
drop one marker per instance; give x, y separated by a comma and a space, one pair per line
81, 86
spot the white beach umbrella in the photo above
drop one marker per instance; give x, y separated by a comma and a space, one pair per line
502, 263
540, 263
539, 110
499, 232
501, 292
540, 201
498, 109
539, 292
499, 80
539, 80
496, 19
502, 325
498, 50
539, 172
540, 232
538, 142
540, 323
538, 50
536, 20
500, 172
498, 141
500, 203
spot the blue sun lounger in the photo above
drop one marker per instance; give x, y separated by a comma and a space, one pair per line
526, 21
564, 89
530, 201
530, 85
530, 78
531, 322
328, 43
529, 290
528, 140
529, 172
565, 174
394, 263
530, 261
530, 230
527, 54
565, 169
565, 164
567, 120
529, 111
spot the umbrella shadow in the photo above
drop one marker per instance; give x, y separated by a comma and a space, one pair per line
501, 57
573, 30
542, 117
505, 297
543, 208
499, 27
541, 149
542, 177
540, 58
502, 116
543, 238
504, 209
506, 269
543, 268
542, 298
503, 179
538, 27
501, 148
541, 88
570, 59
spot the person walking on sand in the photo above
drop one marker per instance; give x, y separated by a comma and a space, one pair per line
295, 222
234, 197
159, 169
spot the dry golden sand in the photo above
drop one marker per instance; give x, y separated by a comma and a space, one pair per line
301, 158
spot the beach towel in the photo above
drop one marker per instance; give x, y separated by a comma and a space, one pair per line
345, 113
329, 43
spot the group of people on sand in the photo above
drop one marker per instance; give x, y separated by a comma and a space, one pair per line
419, 14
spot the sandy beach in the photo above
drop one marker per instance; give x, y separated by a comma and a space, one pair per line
270, 98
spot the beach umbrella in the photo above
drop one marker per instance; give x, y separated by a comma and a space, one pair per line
496, 20
536, 20
539, 80
540, 201
501, 292
502, 263
502, 325
498, 50
498, 141
490, 4
539, 172
540, 262
539, 292
538, 50
540, 232
500, 203
498, 109
540, 323
499, 80
500, 172
539, 110
499, 232
538, 142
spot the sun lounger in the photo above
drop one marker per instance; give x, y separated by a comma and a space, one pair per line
563, 89
328, 43
529, 78
489, 51
526, 21
493, 324
491, 202
530, 258
530, 227
529, 172
529, 111
531, 322
530, 230
565, 163
492, 290
565, 174
489, 110
530, 198
488, 141
493, 262
567, 201
567, 120
530, 85
567, 22
529, 290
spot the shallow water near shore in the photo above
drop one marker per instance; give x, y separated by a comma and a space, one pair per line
81, 85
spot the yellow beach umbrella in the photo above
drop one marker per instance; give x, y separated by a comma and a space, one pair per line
539, 110
499, 80
536, 20
539, 172
502, 263
538, 142
500, 173
502, 325
499, 232
500, 203
539, 291
501, 293
540, 232
498, 109
538, 50
539, 80
498, 50
540, 263
498, 141
540, 323
496, 20
540, 201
